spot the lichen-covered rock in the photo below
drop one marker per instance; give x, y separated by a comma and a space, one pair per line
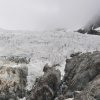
12, 82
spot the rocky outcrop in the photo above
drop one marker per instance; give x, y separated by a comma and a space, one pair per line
46, 86
93, 32
81, 31
81, 80
81, 70
89, 31
18, 59
12, 82
91, 91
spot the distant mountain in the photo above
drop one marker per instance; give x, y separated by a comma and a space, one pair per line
94, 22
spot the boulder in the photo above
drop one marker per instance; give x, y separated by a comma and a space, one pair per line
90, 30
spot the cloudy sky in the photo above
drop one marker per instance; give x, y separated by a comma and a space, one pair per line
46, 14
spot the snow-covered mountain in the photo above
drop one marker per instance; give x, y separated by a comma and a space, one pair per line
51, 47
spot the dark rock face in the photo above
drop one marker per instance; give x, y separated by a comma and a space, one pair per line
89, 31
12, 82
91, 91
81, 31
93, 32
82, 70
47, 85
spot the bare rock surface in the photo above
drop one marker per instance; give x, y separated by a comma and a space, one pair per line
91, 91
82, 73
81, 69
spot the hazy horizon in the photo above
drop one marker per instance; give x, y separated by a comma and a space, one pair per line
46, 14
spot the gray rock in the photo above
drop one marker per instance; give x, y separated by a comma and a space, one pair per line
81, 69
18, 59
91, 92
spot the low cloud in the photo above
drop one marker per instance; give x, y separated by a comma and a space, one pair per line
47, 14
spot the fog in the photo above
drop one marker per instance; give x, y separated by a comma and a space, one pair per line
47, 14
